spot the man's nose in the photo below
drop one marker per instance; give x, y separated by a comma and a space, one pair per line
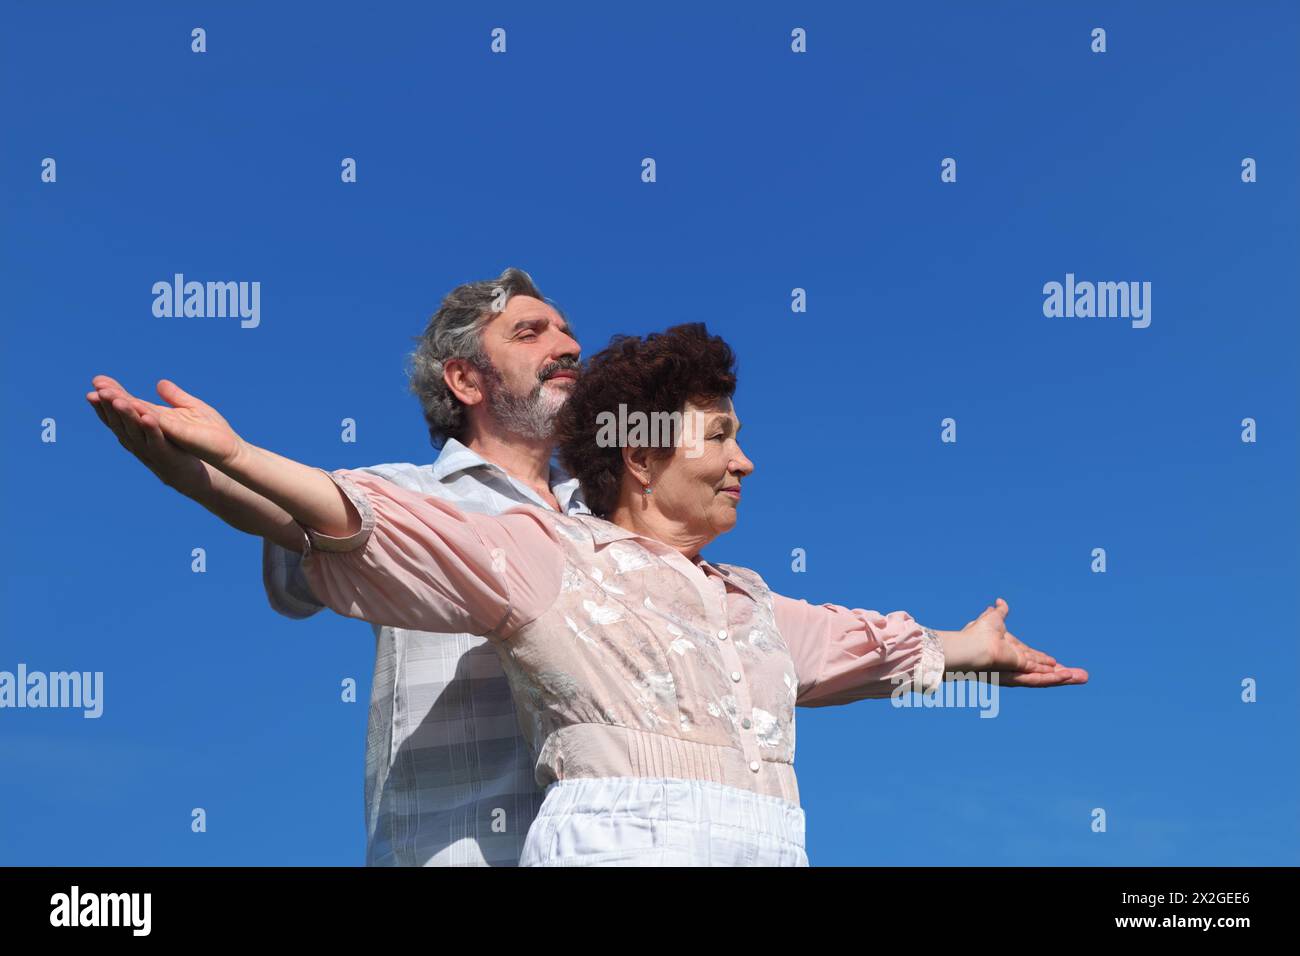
568, 349
566, 346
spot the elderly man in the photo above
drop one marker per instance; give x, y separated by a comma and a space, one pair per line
449, 779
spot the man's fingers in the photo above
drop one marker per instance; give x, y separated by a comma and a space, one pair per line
130, 424
159, 447
97, 405
115, 389
128, 418
111, 417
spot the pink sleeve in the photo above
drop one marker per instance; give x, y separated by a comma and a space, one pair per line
843, 655
419, 562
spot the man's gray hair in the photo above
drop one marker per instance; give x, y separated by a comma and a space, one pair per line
455, 332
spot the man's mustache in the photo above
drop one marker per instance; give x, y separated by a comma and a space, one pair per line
571, 365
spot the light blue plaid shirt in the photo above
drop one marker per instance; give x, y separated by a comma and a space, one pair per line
449, 779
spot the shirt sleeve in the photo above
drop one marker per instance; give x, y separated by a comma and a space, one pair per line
287, 590
842, 655
421, 563
286, 586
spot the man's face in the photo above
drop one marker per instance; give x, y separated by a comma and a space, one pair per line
533, 365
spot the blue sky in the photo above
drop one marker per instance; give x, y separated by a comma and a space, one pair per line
775, 171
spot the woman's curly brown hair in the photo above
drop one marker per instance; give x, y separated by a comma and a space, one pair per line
655, 374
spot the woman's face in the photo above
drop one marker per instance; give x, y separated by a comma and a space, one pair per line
698, 487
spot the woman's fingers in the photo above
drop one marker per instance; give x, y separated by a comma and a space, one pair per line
1057, 678
176, 396
1033, 654
141, 406
1030, 680
1028, 661
191, 436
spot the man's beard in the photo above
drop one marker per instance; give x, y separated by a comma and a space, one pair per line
530, 417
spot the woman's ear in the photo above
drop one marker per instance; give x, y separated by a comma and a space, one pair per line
636, 461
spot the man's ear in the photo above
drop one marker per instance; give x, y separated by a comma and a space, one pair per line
637, 463
464, 380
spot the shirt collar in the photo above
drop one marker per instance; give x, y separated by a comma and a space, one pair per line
603, 532
567, 491
456, 457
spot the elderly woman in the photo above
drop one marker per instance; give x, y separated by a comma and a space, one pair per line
657, 689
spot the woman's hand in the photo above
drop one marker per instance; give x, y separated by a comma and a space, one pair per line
189, 423
173, 466
985, 645
308, 495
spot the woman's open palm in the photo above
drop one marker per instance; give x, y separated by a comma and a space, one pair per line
994, 648
190, 423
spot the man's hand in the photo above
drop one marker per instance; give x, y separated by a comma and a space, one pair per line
172, 465
173, 440
986, 645
137, 425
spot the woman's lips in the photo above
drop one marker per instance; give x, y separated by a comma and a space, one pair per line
734, 492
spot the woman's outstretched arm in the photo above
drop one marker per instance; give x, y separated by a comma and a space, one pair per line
419, 562
378, 552
843, 655
239, 507
306, 493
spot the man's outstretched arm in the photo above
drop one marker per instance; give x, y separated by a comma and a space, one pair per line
236, 505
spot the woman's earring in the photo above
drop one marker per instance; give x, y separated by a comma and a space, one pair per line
647, 490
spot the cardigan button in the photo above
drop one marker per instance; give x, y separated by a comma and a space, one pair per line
735, 675
753, 765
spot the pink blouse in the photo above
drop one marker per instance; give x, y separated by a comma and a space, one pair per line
625, 658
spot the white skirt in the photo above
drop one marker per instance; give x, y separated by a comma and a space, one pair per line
634, 821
